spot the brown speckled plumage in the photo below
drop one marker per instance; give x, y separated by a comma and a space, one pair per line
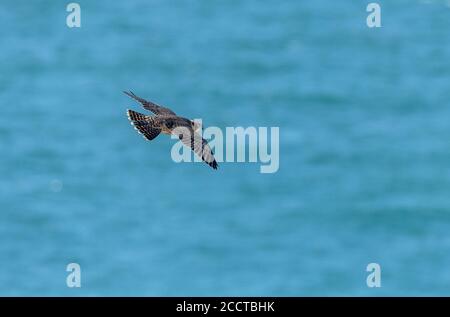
167, 122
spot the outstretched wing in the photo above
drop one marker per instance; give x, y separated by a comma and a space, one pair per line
145, 125
197, 144
158, 110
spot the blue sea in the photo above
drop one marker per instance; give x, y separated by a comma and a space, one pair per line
364, 148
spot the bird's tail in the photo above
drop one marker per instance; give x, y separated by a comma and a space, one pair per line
135, 116
143, 124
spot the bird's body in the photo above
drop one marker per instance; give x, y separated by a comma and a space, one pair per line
165, 121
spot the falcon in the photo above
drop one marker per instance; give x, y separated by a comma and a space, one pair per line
166, 121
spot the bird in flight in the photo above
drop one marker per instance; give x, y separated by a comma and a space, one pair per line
167, 122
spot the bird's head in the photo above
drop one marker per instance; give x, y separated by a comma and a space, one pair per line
196, 125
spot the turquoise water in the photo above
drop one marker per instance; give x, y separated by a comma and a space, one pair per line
364, 148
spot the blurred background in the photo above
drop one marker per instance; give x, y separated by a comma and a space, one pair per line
364, 148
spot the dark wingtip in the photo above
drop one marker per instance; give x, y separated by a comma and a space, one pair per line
214, 165
129, 93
